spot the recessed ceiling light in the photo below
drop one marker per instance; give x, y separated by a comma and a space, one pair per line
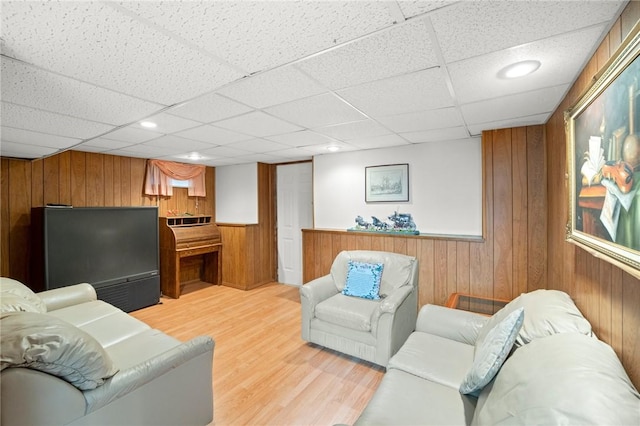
194, 156
519, 69
148, 124
333, 148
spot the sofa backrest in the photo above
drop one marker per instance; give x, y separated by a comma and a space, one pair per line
17, 297
397, 271
566, 378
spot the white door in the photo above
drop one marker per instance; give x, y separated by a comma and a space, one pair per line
295, 212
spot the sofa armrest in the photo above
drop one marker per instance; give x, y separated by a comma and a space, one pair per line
128, 380
462, 326
317, 290
62, 297
391, 302
311, 294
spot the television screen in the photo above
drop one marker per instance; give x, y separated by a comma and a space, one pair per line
99, 245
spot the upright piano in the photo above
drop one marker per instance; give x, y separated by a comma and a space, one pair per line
183, 237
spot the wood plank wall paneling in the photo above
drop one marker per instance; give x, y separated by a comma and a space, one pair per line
80, 179
509, 261
249, 251
525, 217
607, 296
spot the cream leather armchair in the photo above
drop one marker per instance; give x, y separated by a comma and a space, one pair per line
372, 330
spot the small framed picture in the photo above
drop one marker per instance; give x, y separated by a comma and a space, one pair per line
389, 183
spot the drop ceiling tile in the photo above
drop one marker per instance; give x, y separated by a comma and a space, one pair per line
213, 135
561, 57
135, 154
472, 28
27, 137
105, 143
354, 130
378, 142
18, 150
423, 120
259, 145
294, 153
476, 129
400, 50
317, 111
257, 36
167, 123
111, 49
514, 106
418, 7
419, 91
224, 151
257, 124
177, 143
302, 138
218, 162
437, 135
257, 158
208, 108
22, 117
143, 150
272, 87
25, 85
132, 135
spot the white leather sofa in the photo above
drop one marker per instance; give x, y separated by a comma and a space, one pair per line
69, 359
558, 373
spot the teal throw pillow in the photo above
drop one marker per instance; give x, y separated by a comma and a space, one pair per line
492, 353
363, 280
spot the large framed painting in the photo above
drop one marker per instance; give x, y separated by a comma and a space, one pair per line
386, 183
603, 156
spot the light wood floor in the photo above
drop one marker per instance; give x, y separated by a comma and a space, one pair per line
263, 372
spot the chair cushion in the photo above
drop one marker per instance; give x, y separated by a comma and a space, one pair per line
51, 345
397, 268
13, 291
405, 399
350, 312
546, 312
434, 358
363, 280
491, 354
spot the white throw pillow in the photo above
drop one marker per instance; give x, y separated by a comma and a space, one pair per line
492, 353
11, 287
547, 312
49, 344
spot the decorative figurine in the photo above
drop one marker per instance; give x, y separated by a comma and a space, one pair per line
402, 223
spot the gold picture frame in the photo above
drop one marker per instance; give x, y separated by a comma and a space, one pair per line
603, 161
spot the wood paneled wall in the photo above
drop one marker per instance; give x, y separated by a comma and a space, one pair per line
512, 257
608, 297
249, 251
525, 219
82, 180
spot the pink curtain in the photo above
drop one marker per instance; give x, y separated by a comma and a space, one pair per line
160, 172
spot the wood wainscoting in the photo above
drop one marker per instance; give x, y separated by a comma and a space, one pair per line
606, 295
81, 179
244, 265
509, 260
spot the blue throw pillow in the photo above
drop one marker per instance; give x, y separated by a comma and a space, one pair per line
493, 351
363, 280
